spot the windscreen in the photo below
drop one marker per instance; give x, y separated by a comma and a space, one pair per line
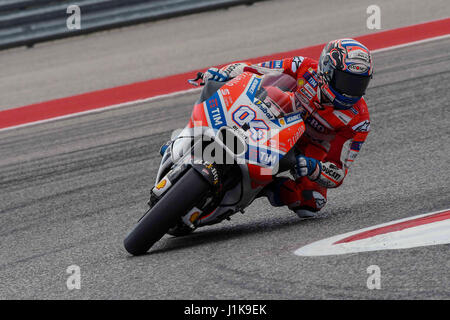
276, 93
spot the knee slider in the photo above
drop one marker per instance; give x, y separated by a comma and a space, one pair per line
320, 199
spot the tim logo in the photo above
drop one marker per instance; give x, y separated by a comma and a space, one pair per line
215, 112
214, 108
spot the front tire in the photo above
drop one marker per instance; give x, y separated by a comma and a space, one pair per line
182, 197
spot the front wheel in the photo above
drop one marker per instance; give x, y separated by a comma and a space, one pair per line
166, 212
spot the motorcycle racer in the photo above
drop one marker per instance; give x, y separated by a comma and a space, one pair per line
329, 95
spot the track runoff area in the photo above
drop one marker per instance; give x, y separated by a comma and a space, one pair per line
423, 230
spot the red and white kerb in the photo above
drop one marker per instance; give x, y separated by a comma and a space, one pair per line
423, 230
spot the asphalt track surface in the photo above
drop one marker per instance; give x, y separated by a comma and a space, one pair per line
71, 189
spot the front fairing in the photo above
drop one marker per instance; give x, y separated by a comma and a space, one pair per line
242, 105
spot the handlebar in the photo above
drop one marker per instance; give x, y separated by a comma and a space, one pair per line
194, 81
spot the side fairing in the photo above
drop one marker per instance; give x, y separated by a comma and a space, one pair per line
268, 138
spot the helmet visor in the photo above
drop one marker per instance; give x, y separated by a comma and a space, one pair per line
349, 84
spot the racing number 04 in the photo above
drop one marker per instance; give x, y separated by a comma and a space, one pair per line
246, 115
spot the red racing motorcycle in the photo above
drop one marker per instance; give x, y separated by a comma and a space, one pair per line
240, 135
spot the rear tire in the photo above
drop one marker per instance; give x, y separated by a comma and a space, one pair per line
182, 197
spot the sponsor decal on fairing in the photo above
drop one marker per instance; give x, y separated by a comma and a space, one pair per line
253, 87
215, 111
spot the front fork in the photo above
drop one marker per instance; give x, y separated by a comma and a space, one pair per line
169, 173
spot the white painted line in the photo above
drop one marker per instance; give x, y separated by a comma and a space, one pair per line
411, 43
107, 108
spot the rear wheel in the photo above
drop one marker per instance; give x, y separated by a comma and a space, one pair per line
166, 212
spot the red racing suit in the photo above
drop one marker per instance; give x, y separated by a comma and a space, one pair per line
332, 136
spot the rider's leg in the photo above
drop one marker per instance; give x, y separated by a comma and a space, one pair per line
311, 198
302, 196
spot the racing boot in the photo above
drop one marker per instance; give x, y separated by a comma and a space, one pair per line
299, 196
304, 213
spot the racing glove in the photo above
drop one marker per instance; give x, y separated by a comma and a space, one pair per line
226, 73
216, 75
308, 167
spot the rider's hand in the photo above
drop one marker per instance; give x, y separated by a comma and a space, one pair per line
216, 75
226, 73
308, 167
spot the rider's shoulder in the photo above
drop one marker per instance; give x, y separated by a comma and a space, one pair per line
307, 63
301, 64
361, 119
361, 107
